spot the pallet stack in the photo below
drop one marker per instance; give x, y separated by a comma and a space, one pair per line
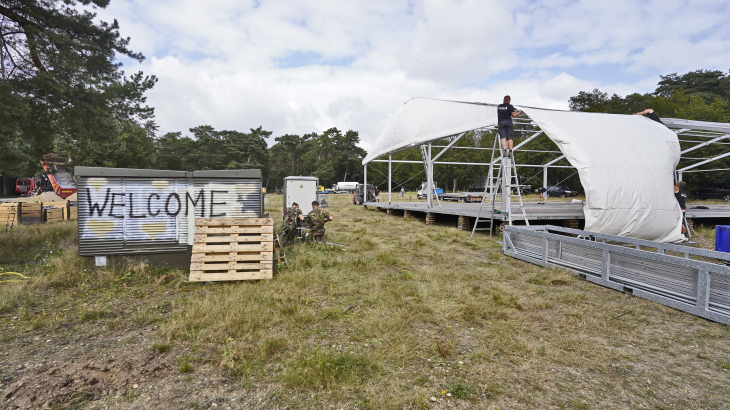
464, 223
232, 249
571, 223
9, 214
430, 218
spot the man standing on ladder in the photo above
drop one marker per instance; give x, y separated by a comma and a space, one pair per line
505, 113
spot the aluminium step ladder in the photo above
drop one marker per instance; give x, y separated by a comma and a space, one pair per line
494, 187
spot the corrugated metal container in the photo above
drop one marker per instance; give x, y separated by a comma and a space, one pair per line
143, 211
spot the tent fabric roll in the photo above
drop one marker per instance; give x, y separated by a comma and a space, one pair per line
626, 165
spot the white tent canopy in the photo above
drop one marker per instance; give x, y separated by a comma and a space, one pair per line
625, 162
423, 119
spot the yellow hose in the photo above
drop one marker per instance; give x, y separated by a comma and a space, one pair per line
13, 273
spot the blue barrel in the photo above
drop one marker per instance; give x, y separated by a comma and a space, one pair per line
722, 238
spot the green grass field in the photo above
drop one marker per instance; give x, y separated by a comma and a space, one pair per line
406, 315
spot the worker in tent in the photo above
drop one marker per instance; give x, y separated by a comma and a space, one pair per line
505, 113
543, 195
650, 114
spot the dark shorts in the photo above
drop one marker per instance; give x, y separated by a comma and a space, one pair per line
506, 130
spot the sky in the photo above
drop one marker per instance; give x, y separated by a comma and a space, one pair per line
296, 67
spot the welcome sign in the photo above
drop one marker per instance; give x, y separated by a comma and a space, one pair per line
129, 214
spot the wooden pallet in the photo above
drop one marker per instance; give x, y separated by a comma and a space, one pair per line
8, 214
430, 218
571, 223
73, 212
464, 223
232, 249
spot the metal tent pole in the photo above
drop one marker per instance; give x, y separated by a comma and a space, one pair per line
544, 177
365, 184
390, 158
429, 178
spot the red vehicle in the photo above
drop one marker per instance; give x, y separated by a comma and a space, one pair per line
61, 181
23, 185
55, 179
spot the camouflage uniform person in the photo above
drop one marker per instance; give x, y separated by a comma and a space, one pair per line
316, 220
289, 228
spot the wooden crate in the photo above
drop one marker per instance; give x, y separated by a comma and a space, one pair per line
31, 213
61, 205
53, 215
232, 249
9, 214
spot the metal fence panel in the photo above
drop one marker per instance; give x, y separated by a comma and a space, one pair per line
720, 293
695, 286
667, 278
581, 257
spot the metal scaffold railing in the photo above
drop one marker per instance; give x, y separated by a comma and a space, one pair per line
665, 273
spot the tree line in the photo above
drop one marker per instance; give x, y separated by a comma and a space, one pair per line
332, 155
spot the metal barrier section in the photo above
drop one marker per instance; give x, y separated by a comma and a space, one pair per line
692, 280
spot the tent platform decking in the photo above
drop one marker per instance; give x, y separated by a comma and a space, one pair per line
535, 212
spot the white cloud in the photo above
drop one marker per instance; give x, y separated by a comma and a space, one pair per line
221, 62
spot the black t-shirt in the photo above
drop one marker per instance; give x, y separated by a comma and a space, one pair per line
504, 112
653, 116
681, 198
541, 190
377, 191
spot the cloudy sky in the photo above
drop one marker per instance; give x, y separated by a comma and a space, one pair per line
304, 66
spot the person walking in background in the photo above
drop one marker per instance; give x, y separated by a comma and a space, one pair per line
316, 219
402, 192
543, 195
377, 193
650, 114
505, 113
681, 199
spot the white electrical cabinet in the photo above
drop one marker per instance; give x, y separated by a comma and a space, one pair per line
302, 190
